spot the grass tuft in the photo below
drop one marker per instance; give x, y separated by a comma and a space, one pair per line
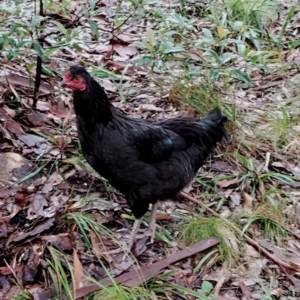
201, 228
253, 13
123, 293
270, 219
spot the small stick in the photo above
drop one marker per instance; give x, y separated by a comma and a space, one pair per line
245, 291
250, 240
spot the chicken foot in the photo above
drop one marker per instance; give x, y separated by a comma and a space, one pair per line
151, 228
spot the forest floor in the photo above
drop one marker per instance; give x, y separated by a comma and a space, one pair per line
59, 220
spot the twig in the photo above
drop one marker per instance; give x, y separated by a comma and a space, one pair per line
39, 62
250, 240
245, 291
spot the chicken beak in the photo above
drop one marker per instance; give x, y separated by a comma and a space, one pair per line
62, 84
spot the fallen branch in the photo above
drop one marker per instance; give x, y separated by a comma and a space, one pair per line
139, 275
250, 240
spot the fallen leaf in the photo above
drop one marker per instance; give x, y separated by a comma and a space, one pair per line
8, 270
38, 144
8, 162
31, 140
15, 79
9, 123
22, 198
227, 183
54, 179
3, 228
78, 270
4, 283
248, 203
235, 198
59, 112
36, 209
124, 37
125, 50
60, 241
38, 229
35, 118
31, 268
42, 105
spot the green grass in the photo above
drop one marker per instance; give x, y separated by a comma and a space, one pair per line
200, 228
270, 220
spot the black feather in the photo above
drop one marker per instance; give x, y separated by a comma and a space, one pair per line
147, 161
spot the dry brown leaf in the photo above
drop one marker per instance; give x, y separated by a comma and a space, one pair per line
20, 236
125, 50
8, 162
103, 48
3, 227
235, 198
43, 106
31, 268
226, 183
11, 125
124, 37
98, 248
78, 270
54, 179
248, 203
14, 128
59, 112
22, 198
6, 270
60, 241
15, 79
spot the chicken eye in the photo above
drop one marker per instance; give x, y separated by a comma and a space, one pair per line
76, 79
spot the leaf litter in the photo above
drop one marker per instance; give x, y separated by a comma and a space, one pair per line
31, 212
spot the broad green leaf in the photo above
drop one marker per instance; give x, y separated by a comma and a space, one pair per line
94, 29
207, 33
213, 74
214, 55
38, 49
61, 27
206, 287
226, 57
76, 47
50, 51
242, 76
143, 60
36, 20
10, 55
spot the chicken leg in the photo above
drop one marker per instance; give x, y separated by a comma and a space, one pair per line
152, 222
150, 230
135, 228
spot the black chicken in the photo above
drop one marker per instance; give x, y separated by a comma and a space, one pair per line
147, 161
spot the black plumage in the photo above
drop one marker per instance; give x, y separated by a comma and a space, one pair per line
147, 161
